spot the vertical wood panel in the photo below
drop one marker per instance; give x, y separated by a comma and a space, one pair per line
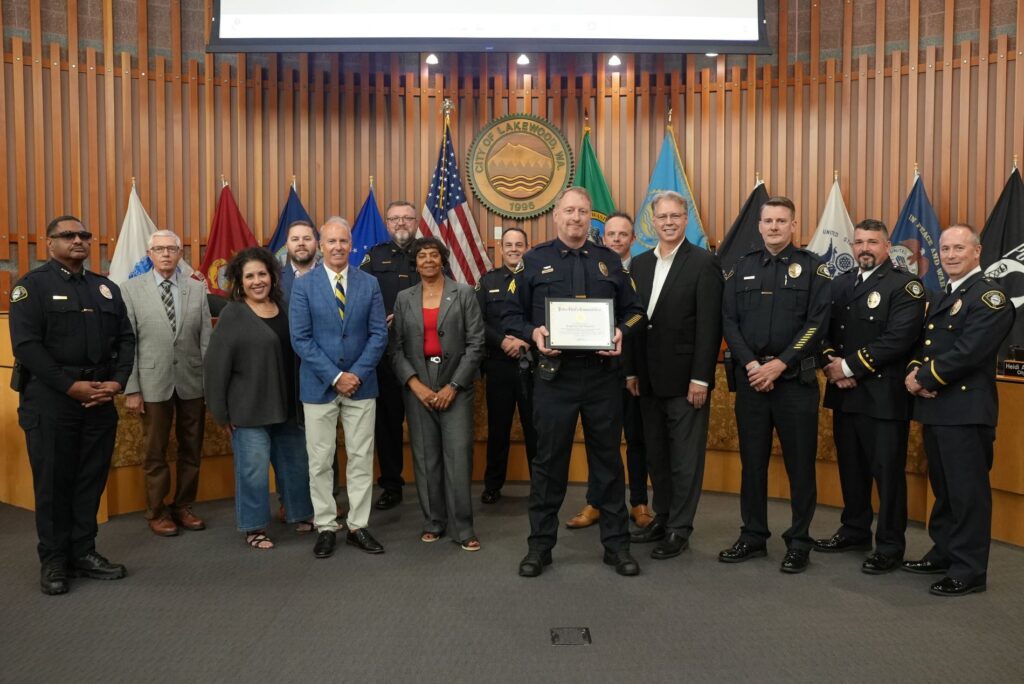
57, 131
107, 229
913, 151
859, 181
240, 164
5, 236
896, 114
943, 182
177, 213
782, 104
846, 130
1000, 160
1018, 89
92, 161
261, 216
811, 221
815, 171
127, 129
20, 181
830, 121
928, 167
74, 114
964, 125
160, 131
775, 185
38, 217
191, 233
879, 137
720, 157
145, 178
981, 174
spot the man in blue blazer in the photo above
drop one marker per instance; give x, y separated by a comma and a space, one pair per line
300, 245
338, 330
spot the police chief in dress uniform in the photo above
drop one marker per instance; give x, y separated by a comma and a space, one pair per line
774, 314
877, 311
506, 368
952, 377
390, 263
571, 384
74, 349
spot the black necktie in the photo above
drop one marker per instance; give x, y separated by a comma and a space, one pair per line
579, 279
949, 288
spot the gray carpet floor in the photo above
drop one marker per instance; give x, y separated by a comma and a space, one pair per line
203, 607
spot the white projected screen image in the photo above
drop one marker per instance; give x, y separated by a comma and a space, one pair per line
599, 20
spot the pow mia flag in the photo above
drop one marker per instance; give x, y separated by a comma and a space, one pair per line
1002, 254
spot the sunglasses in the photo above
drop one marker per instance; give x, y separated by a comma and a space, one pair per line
82, 235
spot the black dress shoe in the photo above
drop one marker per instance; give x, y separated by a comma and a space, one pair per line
879, 564
533, 563
924, 567
95, 566
741, 551
490, 496
795, 560
324, 546
53, 577
652, 533
388, 499
623, 561
670, 547
947, 586
363, 540
838, 542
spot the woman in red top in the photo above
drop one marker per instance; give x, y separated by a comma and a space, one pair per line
436, 348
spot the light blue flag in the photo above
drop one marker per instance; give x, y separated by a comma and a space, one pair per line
668, 175
915, 239
368, 231
293, 211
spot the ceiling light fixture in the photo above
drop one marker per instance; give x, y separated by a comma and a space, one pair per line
710, 54
523, 60
614, 61
431, 59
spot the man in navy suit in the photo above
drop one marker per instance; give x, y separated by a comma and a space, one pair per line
300, 244
339, 332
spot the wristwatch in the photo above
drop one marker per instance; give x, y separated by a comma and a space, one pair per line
455, 386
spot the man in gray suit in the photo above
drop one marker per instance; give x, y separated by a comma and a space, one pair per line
171, 319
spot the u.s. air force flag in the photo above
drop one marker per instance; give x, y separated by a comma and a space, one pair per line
915, 239
833, 240
1002, 253
668, 175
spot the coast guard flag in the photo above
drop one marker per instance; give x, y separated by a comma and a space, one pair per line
446, 216
743, 236
368, 231
668, 175
228, 234
130, 258
1002, 253
833, 240
590, 178
293, 211
915, 239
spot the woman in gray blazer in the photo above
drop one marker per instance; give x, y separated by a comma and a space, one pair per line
437, 345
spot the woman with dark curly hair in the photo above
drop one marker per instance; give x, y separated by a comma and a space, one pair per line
437, 346
249, 373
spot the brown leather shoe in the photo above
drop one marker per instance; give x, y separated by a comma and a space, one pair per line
184, 517
587, 517
642, 516
163, 526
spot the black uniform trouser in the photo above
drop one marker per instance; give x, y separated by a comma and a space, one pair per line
959, 460
506, 389
791, 408
867, 449
636, 453
588, 387
69, 449
388, 429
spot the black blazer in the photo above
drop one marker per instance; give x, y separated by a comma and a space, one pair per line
684, 333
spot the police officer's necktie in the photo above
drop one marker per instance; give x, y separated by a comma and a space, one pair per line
168, 300
339, 295
949, 288
579, 279
92, 319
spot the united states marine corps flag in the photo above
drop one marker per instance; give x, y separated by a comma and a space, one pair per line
1002, 255
228, 234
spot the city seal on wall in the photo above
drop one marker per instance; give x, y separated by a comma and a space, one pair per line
518, 164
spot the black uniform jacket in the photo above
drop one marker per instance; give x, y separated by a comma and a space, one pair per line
874, 327
957, 354
394, 270
491, 294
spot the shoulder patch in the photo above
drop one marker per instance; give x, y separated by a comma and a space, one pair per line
823, 271
915, 289
366, 259
19, 293
994, 299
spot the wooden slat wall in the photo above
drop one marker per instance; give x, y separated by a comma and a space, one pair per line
79, 130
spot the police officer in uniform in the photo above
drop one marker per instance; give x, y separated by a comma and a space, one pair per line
74, 349
390, 262
506, 368
877, 311
572, 384
774, 314
952, 377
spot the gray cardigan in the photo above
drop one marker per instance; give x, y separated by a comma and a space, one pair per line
244, 372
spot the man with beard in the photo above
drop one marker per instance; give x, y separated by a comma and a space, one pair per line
389, 262
300, 244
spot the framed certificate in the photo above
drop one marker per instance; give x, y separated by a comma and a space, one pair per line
582, 324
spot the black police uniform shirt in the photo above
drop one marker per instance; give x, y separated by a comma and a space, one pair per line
874, 326
491, 293
62, 322
393, 267
776, 306
548, 273
956, 356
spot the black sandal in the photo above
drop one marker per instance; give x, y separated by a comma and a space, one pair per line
259, 540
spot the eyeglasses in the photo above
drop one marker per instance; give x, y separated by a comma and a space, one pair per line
401, 219
164, 249
661, 218
82, 235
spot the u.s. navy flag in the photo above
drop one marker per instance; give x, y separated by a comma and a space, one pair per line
446, 216
915, 239
1002, 253
833, 240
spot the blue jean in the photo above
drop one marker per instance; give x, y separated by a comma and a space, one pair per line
284, 446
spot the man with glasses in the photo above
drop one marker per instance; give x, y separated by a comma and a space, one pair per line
171, 319
73, 349
389, 262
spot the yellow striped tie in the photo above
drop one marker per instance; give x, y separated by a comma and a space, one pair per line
339, 294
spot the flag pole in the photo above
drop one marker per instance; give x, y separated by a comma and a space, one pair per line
1014, 163
293, 182
223, 181
371, 182
757, 178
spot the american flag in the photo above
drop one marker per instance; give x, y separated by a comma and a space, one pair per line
446, 216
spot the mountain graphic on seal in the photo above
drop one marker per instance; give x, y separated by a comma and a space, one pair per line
519, 172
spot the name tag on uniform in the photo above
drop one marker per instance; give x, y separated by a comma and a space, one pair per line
547, 269
60, 296
749, 277
494, 291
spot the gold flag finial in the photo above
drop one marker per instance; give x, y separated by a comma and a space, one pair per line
1014, 162
917, 170
835, 175
371, 182
757, 178
293, 182
447, 107
223, 181
669, 116
133, 177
